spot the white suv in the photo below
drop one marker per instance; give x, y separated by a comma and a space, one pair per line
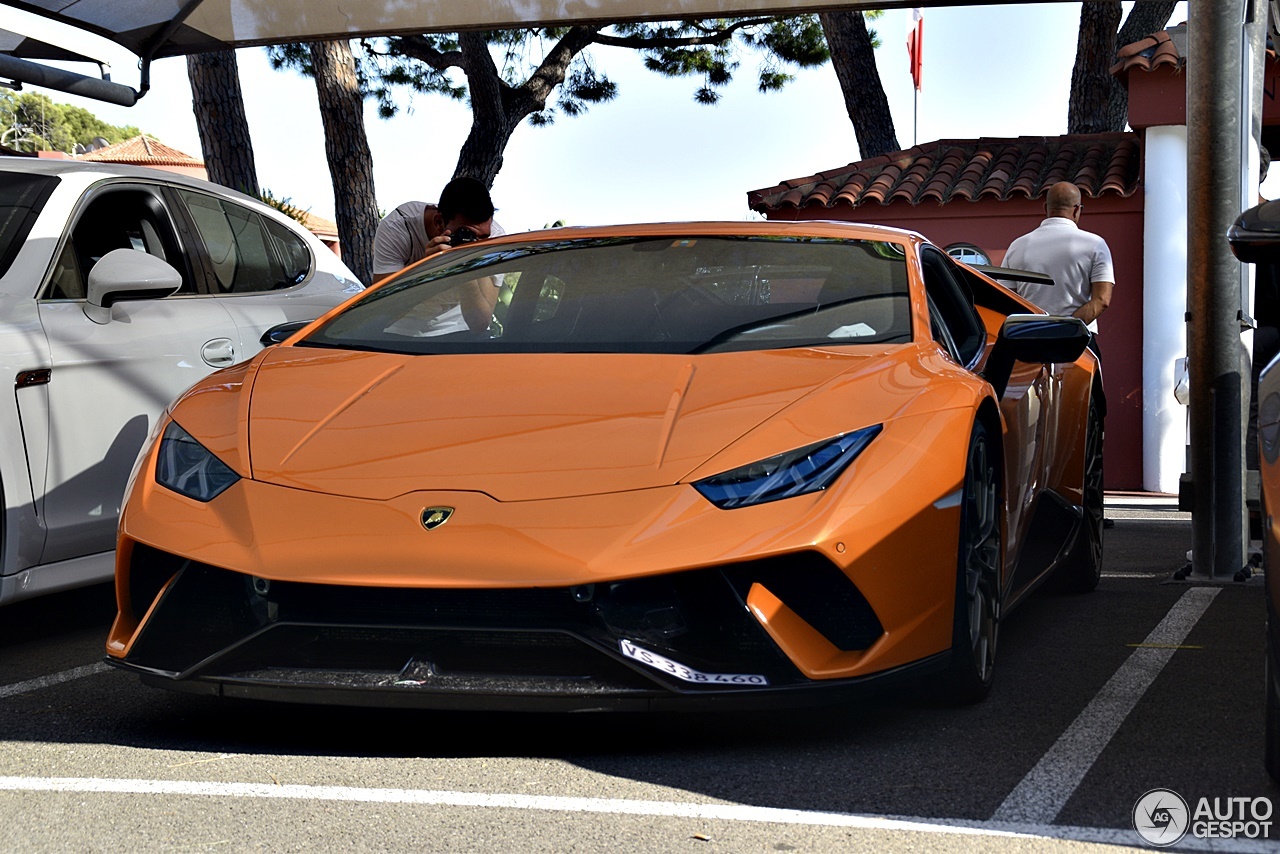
119, 288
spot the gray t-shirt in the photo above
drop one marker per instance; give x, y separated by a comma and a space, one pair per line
401, 238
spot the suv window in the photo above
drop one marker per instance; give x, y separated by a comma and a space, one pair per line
21, 199
246, 251
120, 217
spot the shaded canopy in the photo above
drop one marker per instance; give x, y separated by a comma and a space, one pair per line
153, 29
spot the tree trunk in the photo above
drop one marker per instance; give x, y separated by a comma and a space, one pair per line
497, 108
491, 121
347, 148
218, 105
853, 57
481, 154
1091, 80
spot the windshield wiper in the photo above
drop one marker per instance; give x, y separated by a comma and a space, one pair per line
742, 328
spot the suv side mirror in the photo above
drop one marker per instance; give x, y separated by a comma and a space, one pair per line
1255, 235
127, 274
282, 331
1033, 338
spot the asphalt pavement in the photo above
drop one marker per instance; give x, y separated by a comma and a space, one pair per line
1146, 684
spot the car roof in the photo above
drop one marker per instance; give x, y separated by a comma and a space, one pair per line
93, 170
834, 229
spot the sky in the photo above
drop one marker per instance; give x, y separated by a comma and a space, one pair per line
652, 154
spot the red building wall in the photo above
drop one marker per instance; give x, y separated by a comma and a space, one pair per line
992, 225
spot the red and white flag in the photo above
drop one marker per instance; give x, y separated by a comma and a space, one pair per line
915, 43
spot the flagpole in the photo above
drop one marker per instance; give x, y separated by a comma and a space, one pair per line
915, 46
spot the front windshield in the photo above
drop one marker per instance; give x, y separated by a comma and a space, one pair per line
637, 295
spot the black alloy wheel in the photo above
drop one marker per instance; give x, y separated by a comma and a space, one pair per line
978, 578
1081, 570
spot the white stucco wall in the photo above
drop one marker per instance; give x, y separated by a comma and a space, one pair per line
1164, 257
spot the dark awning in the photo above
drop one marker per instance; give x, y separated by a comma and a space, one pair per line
153, 29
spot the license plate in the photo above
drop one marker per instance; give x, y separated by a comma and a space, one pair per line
688, 674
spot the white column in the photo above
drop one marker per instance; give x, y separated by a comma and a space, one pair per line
1164, 305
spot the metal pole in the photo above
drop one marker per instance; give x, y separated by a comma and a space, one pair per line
1214, 51
67, 81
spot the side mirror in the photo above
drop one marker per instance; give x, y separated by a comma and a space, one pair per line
1255, 235
127, 274
1034, 338
282, 331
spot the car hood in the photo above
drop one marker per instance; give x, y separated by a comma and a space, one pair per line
515, 426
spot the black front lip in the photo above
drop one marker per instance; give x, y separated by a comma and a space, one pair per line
350, 693
222, 632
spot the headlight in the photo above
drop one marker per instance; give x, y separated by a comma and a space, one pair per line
797, 472
187, 467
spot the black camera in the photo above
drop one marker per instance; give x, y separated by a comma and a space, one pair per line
463, 235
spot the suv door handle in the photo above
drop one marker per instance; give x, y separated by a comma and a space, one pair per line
219, 353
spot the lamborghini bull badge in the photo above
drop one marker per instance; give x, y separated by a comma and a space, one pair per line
434, 517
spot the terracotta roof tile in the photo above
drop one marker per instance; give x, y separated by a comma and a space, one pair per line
970, 169
143, 151
320, 226
1158, 50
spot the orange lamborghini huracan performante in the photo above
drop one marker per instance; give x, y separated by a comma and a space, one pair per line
628, 468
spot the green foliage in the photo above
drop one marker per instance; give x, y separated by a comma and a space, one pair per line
875, 37
285, 206
710, 50
713, 49
378, 71
31, 121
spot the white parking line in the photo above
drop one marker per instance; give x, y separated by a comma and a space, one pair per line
53, 679
1045, 790
667, 809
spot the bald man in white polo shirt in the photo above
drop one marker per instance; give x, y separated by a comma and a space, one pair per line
1078, 261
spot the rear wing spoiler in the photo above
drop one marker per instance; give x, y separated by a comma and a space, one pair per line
1009, 274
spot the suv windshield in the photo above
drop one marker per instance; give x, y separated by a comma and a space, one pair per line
648, 295
22, 196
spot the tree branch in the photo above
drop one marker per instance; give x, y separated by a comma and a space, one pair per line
422, 50
1145, 19
714, 37
483, 80
553, 69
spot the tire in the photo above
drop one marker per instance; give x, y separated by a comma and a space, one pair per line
976, 622
1081, 570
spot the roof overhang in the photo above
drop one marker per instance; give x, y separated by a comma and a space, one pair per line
154, 29
160, 28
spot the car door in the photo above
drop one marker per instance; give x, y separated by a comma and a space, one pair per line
263, 272
110, 381
1025, 399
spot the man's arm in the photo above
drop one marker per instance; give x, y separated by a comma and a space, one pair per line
1099, 299
479, 297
